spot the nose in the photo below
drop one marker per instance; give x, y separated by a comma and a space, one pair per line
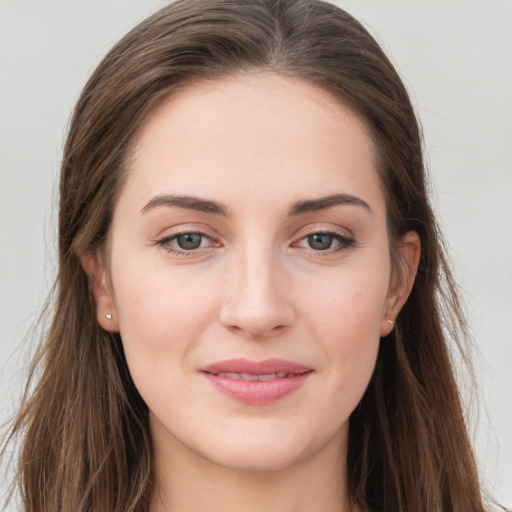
256, 300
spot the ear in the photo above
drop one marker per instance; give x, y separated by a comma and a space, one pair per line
409, 254
94, 266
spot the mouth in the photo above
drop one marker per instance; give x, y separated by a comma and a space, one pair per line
252, 377
256, 383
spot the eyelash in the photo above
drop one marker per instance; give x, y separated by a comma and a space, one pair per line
345, 243
166, 241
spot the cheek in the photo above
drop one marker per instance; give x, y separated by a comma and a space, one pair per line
346, 317
161, 316
349, 305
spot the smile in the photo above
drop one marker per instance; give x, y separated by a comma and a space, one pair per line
256, 383
250, 376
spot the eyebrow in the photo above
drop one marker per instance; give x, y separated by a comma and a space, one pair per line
216, 208
187, 203
313, 205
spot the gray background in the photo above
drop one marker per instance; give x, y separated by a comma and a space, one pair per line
456, 59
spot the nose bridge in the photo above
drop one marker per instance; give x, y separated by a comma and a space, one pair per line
255, 301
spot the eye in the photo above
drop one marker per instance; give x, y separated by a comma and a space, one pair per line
189, 241
320, 241
185, 243
325, 241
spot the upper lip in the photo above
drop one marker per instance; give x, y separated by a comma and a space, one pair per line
266, 367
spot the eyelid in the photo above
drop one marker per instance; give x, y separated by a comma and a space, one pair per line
322, 226
328, 228
165, 240
185, 227
346, 240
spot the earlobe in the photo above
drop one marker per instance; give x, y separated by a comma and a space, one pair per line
409, 253
94, 267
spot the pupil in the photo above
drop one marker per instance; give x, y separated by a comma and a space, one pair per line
189, 241
320, 241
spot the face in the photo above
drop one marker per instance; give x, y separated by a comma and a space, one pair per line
249, 271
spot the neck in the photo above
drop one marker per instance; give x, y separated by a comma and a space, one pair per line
190, 483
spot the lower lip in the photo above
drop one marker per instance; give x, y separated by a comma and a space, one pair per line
257, 392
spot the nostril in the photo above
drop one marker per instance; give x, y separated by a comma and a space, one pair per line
277, 330
257, 313
258, 333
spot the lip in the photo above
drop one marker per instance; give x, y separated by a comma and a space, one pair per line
257, 392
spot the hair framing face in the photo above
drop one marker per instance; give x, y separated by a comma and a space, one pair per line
410, 421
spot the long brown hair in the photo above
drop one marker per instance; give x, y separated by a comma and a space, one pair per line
86, 444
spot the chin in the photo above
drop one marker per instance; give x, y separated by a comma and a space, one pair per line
264, 451
257, 460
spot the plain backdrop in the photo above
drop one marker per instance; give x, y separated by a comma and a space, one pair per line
456, 60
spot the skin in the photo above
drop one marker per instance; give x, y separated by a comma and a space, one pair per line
254, 288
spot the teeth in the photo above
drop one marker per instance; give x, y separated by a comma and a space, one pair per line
249, 376
270, 376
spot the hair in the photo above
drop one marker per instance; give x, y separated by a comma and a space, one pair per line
86, 444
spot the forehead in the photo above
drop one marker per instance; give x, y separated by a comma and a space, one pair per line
257, 137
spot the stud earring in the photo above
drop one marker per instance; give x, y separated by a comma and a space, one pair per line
108, 317
390, 321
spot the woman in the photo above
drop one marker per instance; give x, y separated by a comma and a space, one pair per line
251, 280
